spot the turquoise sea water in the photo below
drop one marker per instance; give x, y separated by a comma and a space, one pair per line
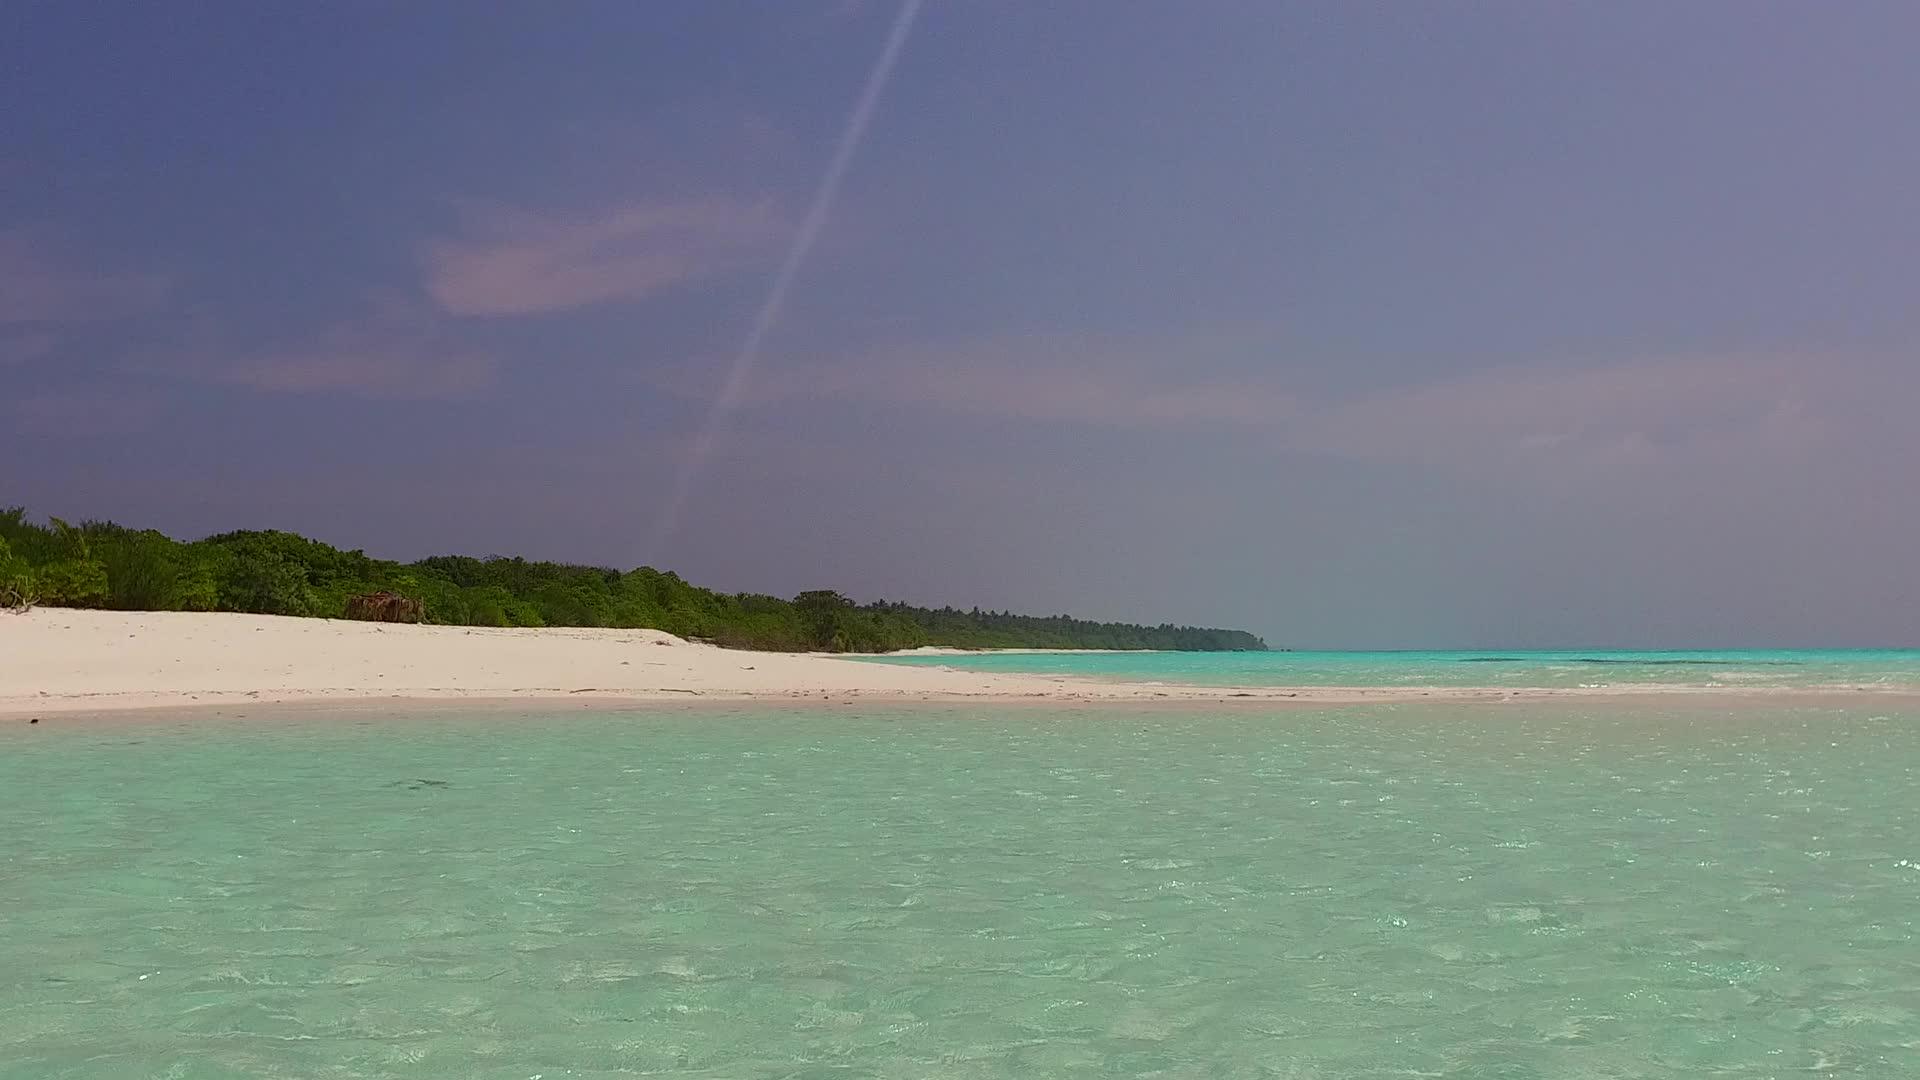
1385, 892
1888, 668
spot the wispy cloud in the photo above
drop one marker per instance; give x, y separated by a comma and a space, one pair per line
370, 369
43, 282
394, 354
1123, 382
1638, 412
84, 412
25, 348
1631, 412
514, 262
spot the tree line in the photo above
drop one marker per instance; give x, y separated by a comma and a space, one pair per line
99, 564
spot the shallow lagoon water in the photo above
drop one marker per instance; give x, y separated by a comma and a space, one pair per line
1396, 891
1740, 669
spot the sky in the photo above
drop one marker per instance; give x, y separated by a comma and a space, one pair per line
1498, 324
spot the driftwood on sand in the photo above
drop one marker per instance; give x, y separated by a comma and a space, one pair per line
385, 607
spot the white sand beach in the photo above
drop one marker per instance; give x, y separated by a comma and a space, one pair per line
60, 660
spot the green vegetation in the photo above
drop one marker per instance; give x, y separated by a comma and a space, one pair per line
103, 565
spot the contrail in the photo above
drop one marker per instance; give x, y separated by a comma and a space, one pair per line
769, 313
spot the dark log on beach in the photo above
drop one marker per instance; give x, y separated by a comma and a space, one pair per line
385, 607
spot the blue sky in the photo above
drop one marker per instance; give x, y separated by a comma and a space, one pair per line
1492, 324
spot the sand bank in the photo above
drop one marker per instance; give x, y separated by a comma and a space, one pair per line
55, 660
948, 650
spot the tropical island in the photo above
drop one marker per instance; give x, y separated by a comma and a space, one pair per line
99, 564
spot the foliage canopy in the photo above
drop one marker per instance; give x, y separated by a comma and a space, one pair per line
98, 564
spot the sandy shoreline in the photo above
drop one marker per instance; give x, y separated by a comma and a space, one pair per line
65, 661
948, 650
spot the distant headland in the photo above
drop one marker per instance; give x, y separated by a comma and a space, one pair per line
99, 564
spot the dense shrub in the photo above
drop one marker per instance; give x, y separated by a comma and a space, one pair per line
142, 568
16, 579
80, 583
256, 575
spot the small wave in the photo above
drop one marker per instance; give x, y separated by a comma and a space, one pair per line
1629, 662
1686, 663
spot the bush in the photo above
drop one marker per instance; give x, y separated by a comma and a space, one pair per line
16, 580
79, 583
196, 589
491, 605
260, 579
33, 545
143, 572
